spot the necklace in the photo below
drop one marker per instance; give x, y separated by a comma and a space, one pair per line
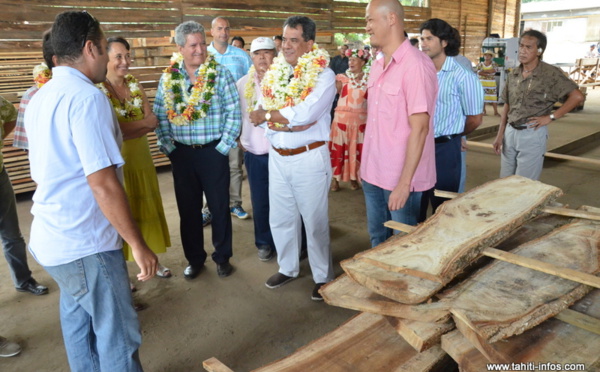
279, 92
41, 75
126, 109
249, 89
121, 100
176, 94
354, 84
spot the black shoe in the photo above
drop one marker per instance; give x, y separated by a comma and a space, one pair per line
316, 296
265, 253
191, 271
33, 287
278, 280
224, 269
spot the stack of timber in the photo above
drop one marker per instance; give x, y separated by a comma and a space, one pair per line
442, 292
503, 312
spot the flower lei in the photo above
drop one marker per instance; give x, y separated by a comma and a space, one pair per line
249, 89
279, 93
132, 107
176, 93
359, 53
41, 75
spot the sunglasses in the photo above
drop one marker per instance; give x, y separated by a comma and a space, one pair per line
90, 22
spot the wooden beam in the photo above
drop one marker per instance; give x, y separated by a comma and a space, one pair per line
580, 320
547, 154
214, 365
561, 272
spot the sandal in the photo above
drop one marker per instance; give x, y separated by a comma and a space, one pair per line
354, 185
132, 287
335, 186
163, 272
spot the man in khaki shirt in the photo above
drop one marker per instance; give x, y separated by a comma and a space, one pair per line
531, 91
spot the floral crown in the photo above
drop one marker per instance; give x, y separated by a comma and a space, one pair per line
357, 53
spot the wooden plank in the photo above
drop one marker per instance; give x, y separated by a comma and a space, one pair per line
420, 335
345, 292
580, 320
446, 243
552, 340
214, 365
366, 342
503, 300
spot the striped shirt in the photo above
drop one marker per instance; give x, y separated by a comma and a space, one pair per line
20, 136
236, 60
460, 95
223, 120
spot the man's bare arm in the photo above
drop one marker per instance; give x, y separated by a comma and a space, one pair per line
419, 128
111, 198
472, 123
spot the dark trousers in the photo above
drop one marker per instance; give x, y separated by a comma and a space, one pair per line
257, 167
448, 168
198, 170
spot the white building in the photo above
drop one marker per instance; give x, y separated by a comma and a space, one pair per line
570, 26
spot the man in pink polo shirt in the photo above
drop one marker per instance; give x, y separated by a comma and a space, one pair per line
398, 161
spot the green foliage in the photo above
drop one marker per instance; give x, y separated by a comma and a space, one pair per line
341, 39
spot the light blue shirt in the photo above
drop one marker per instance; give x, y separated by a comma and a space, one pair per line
236, 60
76, 134
460, 94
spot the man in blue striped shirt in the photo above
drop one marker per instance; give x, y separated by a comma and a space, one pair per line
458, 109
199, 147
238, 62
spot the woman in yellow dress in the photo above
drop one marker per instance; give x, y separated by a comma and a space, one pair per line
486, 71
136, 120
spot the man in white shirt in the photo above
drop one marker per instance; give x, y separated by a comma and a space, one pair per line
299, 162
80, 209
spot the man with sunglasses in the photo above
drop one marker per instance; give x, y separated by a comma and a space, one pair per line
80, 209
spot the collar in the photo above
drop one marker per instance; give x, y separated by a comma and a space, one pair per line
400, 52
449, 64
69, 71
519, 70
215, 51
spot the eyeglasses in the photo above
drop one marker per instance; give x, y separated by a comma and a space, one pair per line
90, 22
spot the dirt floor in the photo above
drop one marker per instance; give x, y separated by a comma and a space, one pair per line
237, 319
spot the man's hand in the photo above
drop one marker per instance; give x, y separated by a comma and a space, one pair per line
398, 197
258, 116
146, 261
286, 128
463, 144
498, 143
539, 121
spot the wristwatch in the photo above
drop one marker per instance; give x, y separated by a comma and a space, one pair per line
268, 116
552, 117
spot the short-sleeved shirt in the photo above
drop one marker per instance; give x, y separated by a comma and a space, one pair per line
8, 113
77, 134
536, 94
236, 60
20, 137
407, 86
460, 95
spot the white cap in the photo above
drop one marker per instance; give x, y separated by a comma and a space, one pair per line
262, 43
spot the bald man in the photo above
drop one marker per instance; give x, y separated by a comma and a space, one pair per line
398, 154
238, 62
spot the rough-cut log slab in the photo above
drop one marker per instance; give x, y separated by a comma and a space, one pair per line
551, 341
504, 299
214, 365
345, 292
420, 335
446, 243
366, 342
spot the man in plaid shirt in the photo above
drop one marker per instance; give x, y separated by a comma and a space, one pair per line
199, 150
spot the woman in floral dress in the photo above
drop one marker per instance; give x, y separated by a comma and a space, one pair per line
350, 120
136, 120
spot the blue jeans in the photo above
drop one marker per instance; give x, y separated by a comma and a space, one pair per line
376, 200
10, 234
100, 327
258, 180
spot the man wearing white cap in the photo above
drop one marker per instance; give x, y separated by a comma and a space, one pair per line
256, 145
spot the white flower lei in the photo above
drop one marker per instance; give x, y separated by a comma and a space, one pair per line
131, 107
180, 113
278, 93
363, 84
249, 90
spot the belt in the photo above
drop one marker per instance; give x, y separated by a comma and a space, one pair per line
444, 139
199, 146
299, 150
518, 127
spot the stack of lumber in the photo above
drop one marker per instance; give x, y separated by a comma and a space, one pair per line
446, 292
